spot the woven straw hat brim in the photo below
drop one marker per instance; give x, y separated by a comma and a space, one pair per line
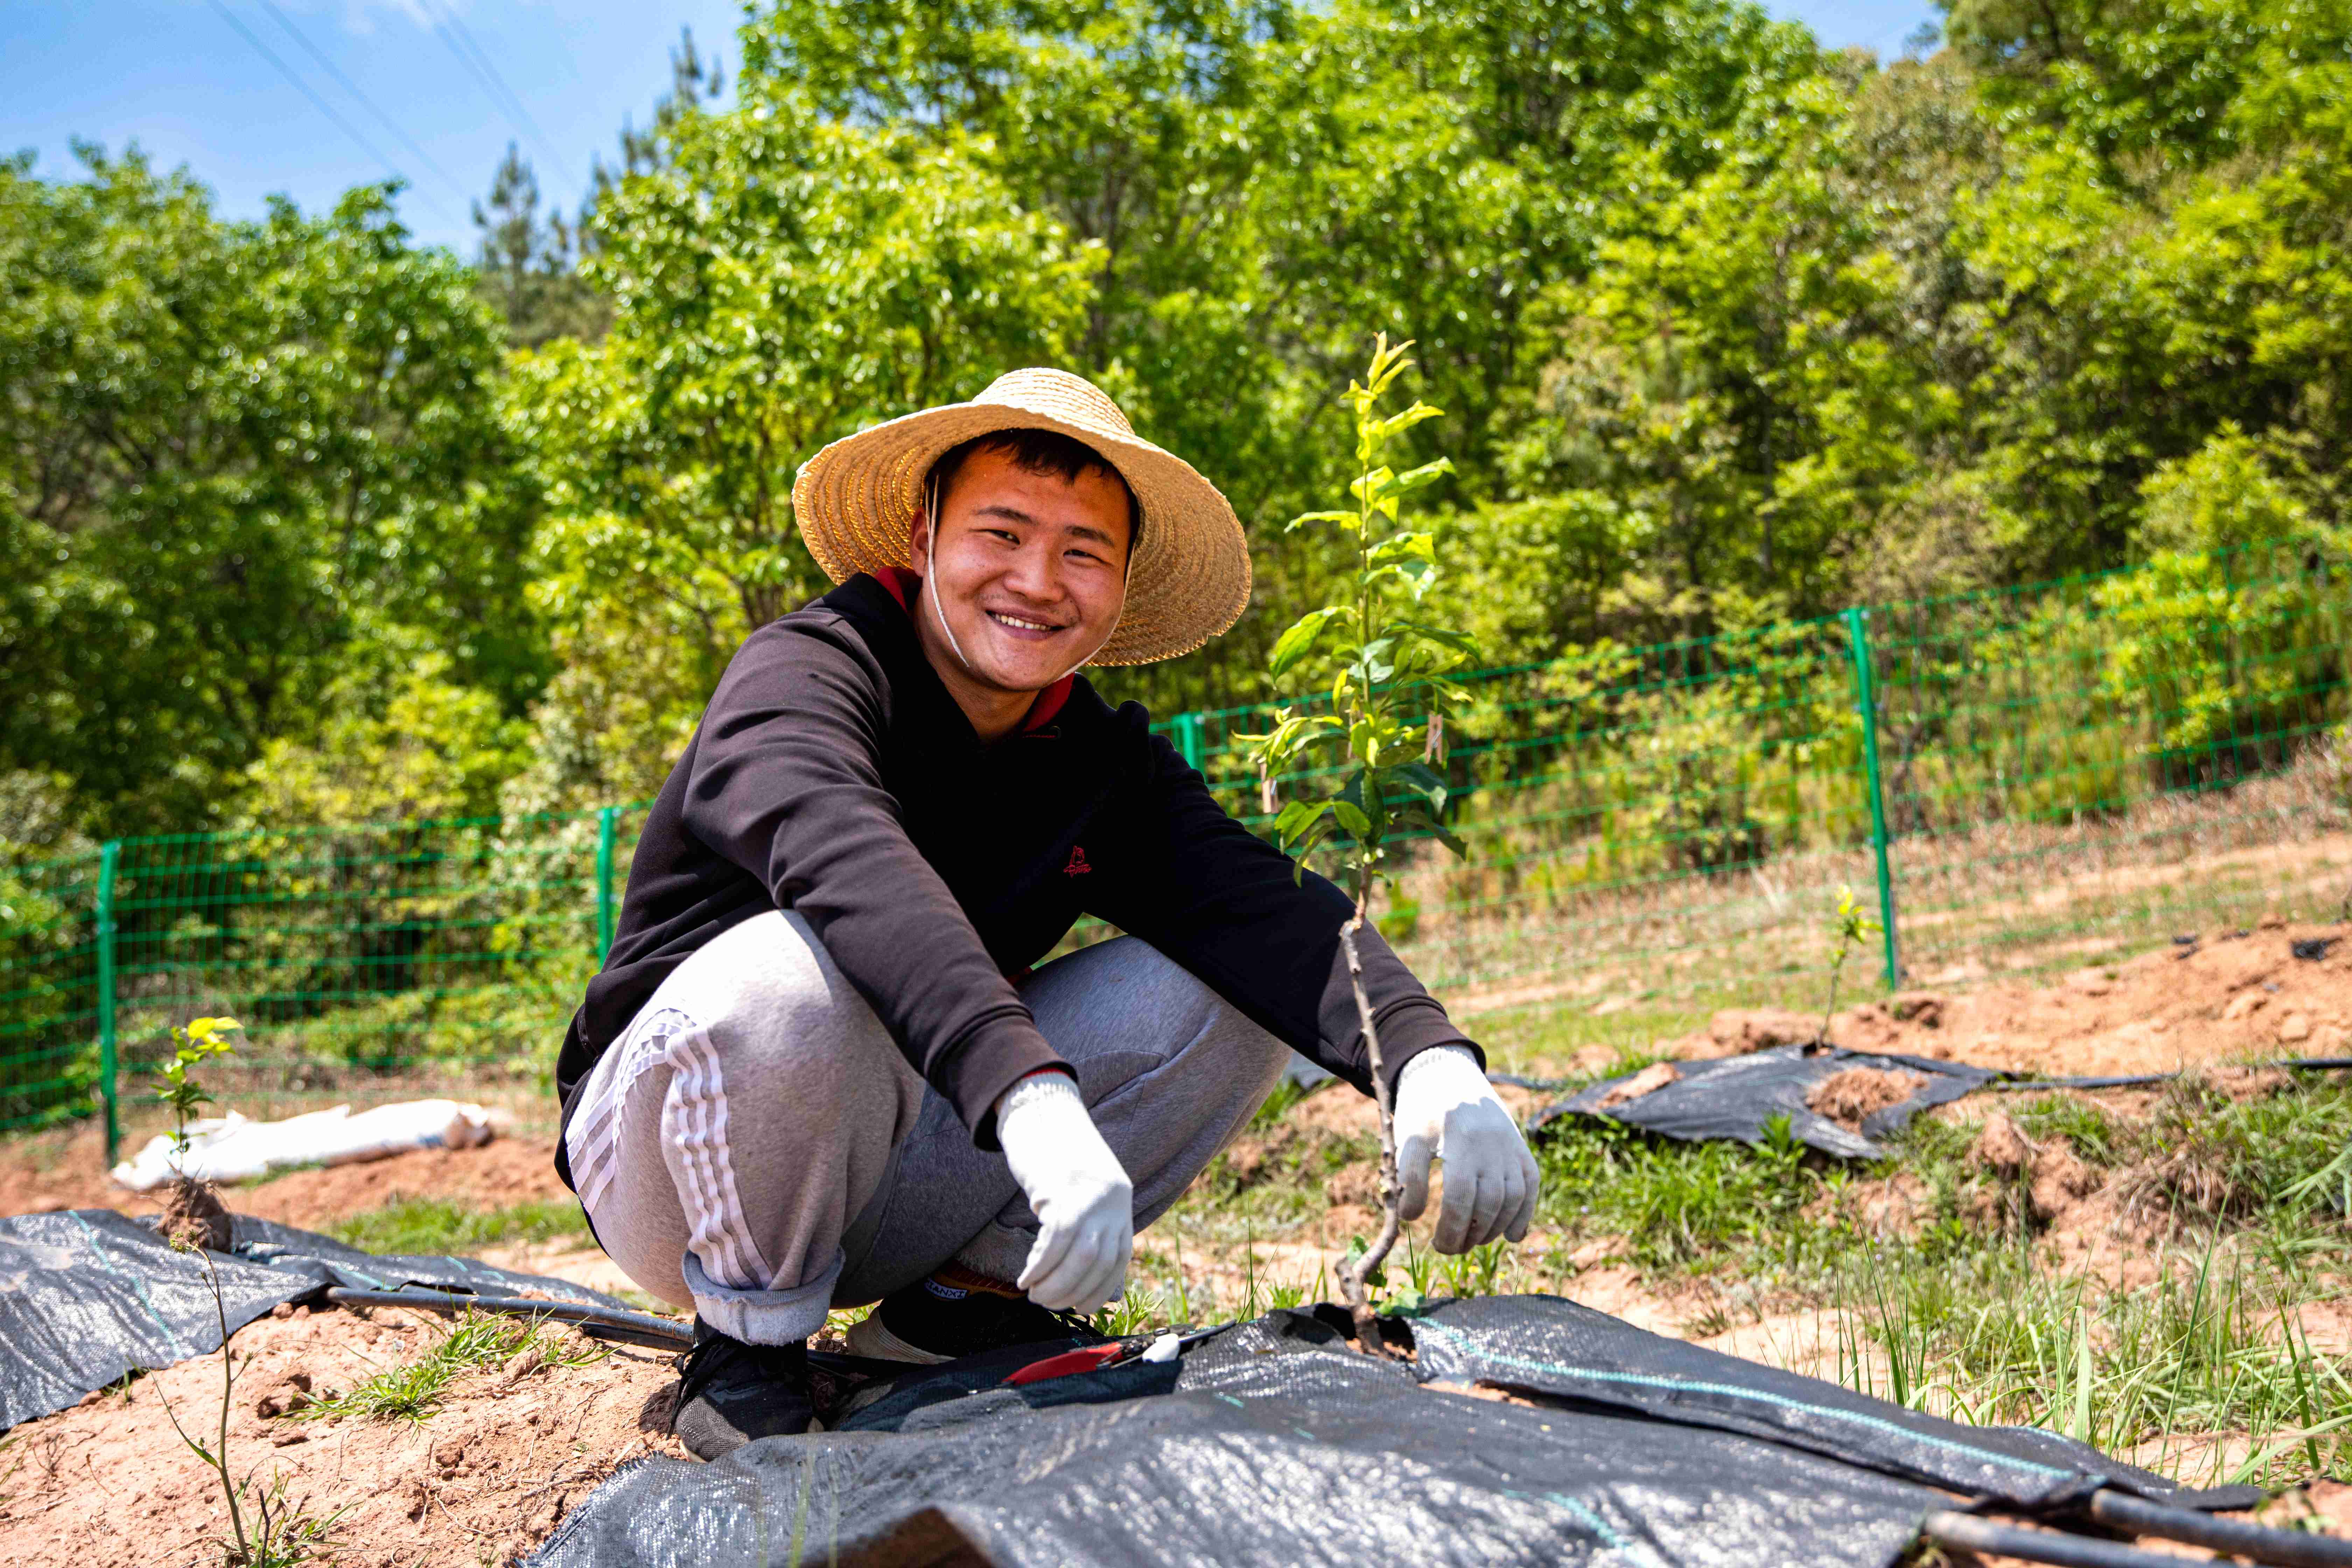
857, 500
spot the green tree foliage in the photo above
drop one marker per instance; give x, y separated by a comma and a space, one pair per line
783, 281
231, 454
1727, 331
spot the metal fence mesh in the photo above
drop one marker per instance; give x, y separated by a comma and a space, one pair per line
2017, 782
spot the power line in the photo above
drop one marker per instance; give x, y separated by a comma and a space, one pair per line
322, 106
368, 103
470, 54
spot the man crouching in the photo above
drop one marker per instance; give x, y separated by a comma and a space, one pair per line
818, 1069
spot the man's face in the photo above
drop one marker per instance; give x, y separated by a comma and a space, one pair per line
1031, 571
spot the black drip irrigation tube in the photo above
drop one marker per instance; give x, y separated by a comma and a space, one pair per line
599, 1322
2007, 1083
2255, 1542
2287, 1548
2134, 1081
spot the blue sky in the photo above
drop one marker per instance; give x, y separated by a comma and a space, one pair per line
432, 88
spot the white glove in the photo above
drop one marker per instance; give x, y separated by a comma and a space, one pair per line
1084, 1203
1445, 1109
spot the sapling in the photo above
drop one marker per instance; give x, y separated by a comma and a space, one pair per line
1385, 660
1851, 928
278, 1533
194, 1210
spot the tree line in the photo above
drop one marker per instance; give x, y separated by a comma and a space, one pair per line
300, 521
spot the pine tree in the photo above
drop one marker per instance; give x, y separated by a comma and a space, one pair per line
694, 83
527, 267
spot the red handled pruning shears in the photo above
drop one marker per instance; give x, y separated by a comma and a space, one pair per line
1093, 1358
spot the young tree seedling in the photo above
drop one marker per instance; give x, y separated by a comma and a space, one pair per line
1851, 928
278, 1534
203, 1039
1385, 657
194, 1209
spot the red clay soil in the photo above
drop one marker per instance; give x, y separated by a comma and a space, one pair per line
1848, 1097
484, 1479
2227, 998
37, 1176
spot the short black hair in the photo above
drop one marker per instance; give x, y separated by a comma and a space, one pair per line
1038, 452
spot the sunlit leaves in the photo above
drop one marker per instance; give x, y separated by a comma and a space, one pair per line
1299, 640
1382, 663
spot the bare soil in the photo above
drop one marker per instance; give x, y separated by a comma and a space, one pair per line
482, 1480
2228, 996
1848, 1097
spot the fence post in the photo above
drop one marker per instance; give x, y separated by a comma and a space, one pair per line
108, 859
1188, 738
1865, 690
605, 912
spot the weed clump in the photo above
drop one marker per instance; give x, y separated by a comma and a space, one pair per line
477, 1342
436, 1225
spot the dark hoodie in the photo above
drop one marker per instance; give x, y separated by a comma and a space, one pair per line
834, 774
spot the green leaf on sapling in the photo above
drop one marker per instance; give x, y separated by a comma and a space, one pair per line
1427, 474
1424, 781
1345, 518
1405, 419
1446, 637
1299, 641
1406, 546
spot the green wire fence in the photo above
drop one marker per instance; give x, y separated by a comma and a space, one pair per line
2020, 781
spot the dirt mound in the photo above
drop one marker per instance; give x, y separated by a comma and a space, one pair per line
2218, 997
1847, 1097
1649, 1081
482, 1478
37, 1176
2049, 1176
1737, 1031
194, 1216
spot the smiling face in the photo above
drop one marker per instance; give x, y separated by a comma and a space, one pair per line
1029, 576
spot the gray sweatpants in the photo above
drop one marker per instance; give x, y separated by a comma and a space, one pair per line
755, 1147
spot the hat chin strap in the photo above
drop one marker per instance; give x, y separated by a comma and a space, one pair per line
931, 587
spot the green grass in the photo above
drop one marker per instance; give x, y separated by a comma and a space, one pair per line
475, 1342
2211, 1347
438, 1226
1686, 1207
1969, 1317
1964, 1309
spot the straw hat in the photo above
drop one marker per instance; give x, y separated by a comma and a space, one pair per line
856, 502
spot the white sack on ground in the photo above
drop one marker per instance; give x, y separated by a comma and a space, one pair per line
234, 1148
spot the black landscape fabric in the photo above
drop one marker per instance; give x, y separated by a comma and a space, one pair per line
87, 1295
1275, 1444
1733, 1097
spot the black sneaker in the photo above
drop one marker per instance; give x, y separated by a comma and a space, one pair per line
947, 1316
729, 1393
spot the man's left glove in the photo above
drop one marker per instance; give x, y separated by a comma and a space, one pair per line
1081, 1196
1446, 1110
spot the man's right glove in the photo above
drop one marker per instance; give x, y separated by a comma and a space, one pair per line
1445, 1108
1082, 1197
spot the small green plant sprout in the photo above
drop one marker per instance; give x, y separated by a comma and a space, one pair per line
203, 1039
1851, 926
266, 1528
1386, 660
